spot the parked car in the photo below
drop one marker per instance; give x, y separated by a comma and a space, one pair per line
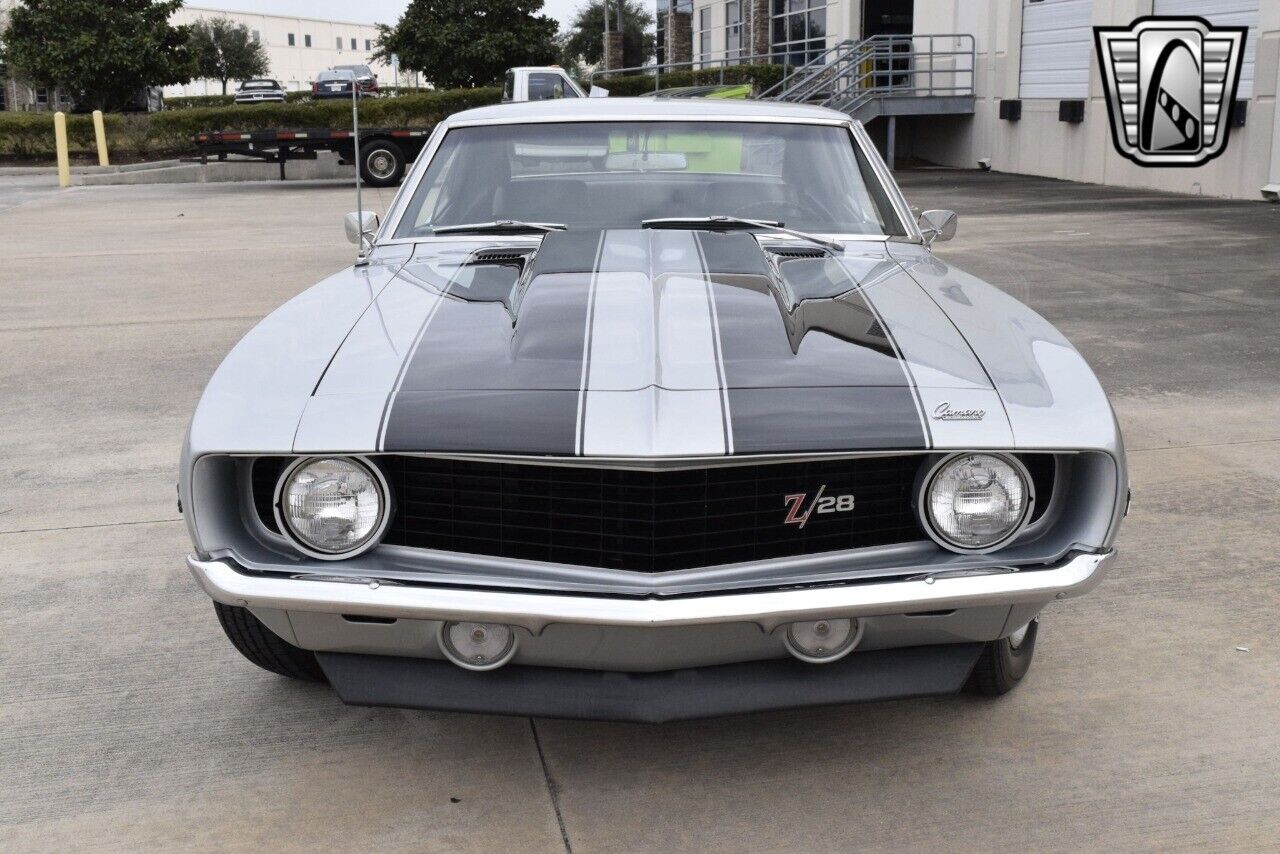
260, 92
333, 84
364, 75
588, 431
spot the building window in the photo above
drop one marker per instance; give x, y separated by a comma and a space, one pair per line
339, 42
293, 40
42, 97
353, 44
733, 29
797, 30
704, 34
306, 41
368, 44
257, 36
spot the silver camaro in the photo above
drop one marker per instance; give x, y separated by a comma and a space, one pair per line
647, 410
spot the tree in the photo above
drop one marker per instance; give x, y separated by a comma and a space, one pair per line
584, 41
224, 50
458, 43
101, 53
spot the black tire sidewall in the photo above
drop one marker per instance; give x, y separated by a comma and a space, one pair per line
1014, 663
370, 149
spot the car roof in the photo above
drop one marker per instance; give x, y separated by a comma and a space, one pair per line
647, 107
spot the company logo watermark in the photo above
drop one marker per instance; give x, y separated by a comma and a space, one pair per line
1170, 85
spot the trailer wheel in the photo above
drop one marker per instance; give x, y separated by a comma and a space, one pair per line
382, 163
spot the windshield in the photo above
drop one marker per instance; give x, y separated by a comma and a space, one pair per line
592, 175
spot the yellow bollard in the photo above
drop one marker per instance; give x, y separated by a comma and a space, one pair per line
100, 132
60, 139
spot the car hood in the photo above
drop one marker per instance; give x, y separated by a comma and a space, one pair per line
621, 343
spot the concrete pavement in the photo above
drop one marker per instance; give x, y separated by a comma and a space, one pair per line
127, 721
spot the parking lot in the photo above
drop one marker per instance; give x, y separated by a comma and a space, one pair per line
1151, 718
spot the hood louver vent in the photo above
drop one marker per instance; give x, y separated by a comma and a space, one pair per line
500, 256
788, 253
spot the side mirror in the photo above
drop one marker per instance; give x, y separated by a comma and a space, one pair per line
361, 227
938, 225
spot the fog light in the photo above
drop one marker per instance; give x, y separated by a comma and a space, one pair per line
823, 641
477, 646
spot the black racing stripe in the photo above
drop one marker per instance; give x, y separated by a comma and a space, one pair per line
511, 422
807, 363
500, 364
786, 420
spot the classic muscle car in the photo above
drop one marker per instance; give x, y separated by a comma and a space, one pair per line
649, 409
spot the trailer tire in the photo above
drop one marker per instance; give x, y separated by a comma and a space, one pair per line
382, 163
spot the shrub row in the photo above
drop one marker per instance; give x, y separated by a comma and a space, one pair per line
187, 102
30, 135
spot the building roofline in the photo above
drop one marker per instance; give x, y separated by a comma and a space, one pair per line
274, 15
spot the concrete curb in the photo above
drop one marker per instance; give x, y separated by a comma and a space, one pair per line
219, 171
88, 170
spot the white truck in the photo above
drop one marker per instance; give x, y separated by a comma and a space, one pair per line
540, 83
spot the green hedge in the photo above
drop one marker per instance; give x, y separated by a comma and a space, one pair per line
171, 132
146, 135
760, 76
188, 102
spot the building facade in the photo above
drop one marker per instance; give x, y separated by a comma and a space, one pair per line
1038, 53
297, 48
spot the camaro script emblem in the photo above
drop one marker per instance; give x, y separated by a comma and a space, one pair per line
798, 515
944, 412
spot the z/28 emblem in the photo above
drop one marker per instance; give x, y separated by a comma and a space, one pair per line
798, 514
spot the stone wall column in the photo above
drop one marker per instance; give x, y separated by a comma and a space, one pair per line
679, 37
613, 58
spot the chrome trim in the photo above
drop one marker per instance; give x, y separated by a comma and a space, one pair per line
926, 520
675, 463
374, 536
223, 581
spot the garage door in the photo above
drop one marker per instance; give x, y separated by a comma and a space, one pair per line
1224, 13
1057, 48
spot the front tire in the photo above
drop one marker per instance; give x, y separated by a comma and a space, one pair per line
265, 648
382, 163
1005, 662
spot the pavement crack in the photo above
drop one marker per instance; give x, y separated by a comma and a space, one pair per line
83, 527
553, 788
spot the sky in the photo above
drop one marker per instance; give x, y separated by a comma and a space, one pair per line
356, 11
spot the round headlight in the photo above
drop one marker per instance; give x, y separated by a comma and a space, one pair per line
332, 507
976, 502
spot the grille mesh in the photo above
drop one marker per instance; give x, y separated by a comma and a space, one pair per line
646, 521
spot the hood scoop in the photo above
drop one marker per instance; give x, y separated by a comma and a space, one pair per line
788, 253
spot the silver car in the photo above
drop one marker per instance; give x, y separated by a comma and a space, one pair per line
649, 409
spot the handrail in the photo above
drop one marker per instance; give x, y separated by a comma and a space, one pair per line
850, 75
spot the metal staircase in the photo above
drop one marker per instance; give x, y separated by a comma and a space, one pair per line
887, 75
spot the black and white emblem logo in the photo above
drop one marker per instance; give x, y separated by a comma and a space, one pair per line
1170, 85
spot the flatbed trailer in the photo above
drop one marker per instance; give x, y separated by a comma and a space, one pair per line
385, 153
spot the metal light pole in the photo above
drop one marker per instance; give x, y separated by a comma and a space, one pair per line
355, 137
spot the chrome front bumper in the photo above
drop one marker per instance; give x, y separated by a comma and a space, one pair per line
227, 583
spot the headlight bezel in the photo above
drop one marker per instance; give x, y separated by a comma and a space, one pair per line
925, 489
376, 533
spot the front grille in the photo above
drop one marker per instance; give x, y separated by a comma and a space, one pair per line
642, 520
647, 521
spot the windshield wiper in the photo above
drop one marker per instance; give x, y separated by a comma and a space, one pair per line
686, 221
508, 225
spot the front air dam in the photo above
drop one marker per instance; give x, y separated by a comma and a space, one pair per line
673, 695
